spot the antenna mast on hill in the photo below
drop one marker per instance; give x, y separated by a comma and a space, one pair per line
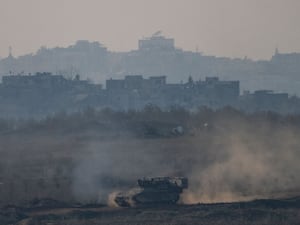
276, 51
9, 51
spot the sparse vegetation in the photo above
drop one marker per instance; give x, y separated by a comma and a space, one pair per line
81, 157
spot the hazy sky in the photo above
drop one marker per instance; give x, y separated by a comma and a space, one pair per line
234, 28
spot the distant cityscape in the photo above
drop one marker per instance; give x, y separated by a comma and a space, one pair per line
42, 94
157, 56
157, 73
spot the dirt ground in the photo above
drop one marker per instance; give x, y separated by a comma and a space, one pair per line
264, 212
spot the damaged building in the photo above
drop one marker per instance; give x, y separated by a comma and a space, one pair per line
135, 92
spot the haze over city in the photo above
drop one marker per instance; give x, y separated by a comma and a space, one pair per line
149, 112
232, 28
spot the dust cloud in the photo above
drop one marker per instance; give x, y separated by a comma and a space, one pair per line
233, 161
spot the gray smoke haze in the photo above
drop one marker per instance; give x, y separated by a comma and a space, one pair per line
254, 167
115, 166
233, 162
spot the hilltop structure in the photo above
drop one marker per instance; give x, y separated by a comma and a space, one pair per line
157, 55
157, 42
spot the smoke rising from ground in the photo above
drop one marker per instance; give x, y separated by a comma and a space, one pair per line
227, 155
115, 167
255, 167
232, 159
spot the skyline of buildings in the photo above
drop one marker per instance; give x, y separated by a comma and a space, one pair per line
159, 56
41, 94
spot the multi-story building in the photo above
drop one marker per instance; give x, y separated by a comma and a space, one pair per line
45, 93
156, 42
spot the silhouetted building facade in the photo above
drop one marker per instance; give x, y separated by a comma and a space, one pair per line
44, 93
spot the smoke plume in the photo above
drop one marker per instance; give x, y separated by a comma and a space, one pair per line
233, 160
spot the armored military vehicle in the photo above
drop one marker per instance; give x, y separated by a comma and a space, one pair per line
157, 190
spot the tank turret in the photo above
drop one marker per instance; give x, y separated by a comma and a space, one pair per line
156, 190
